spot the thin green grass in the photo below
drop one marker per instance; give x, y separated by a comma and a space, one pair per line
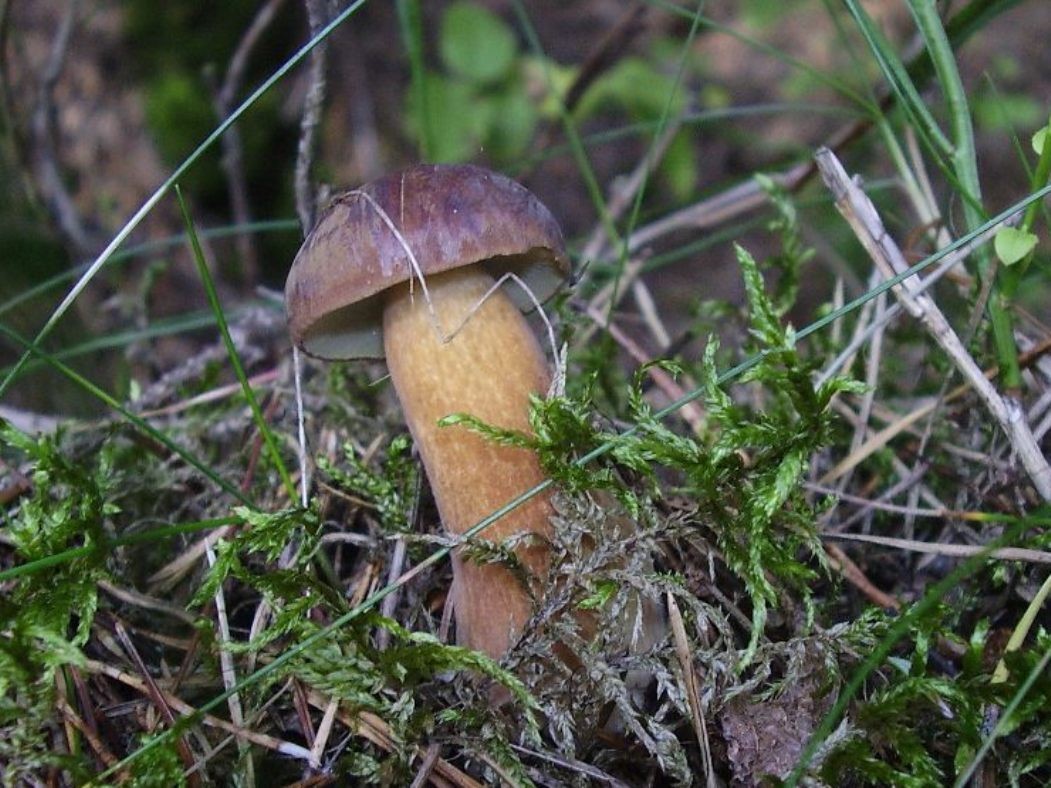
140, 424
569, 127
142, 250
165, 327
723, 379
662, 123
839, 86
142, 537
235, 359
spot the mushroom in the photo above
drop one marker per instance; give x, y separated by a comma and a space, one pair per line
405, 268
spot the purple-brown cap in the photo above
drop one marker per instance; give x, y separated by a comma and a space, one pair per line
447, 216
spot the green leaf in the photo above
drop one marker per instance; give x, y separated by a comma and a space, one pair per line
475, 44
514, 119
1038, 140
634, 86
458, 119
679, 168
1013, 244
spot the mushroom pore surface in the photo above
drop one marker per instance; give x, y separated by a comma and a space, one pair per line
488, 369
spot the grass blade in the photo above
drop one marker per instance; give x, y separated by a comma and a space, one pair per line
136, 421
235, 359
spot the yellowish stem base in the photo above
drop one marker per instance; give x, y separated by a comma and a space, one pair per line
488, 369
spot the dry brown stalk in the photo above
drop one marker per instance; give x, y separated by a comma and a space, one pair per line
178, 704
864, 220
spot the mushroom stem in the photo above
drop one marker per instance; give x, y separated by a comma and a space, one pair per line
488, 369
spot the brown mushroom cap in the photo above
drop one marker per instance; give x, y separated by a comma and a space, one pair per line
449, 216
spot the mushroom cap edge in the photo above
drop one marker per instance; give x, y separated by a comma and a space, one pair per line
447, 216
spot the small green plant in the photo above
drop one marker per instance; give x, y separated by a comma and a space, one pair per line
479, 102
490, 95
47, 617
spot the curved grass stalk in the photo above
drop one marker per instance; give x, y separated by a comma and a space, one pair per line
235, 359
270, 225
32, 349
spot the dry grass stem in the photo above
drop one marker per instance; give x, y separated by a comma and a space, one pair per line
625, 190
324, 731
313, 101
651, 317
90, 735
684, 654
232, 161
864, 333
166, 578
423, 774
146, 602
860, 213
154, 691
226, 660
217, 394
185, 709
371, 727
719, 208
853, 574
950, 550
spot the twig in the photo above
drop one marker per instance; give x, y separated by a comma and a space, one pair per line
171, 573
745, 197
625, 191
950, 550
312, 104
324, 730
717, 209
598, 61
91, 735
880, 439
872, 367
861, 214
138, 599
301, 433
426, 766
367, 153
372, 727
154, 691
214, 395
650, 315
573, 765
692, 689
691, 412
50, 180
226, 663
882, 505
852, 572
707, 213
263, 740
898, 425
232, 160
390, 603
